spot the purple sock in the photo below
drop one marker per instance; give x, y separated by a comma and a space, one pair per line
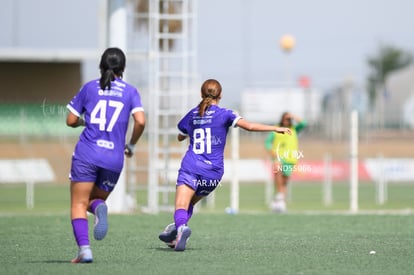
80, 231
190, 211
180, 217
94, 204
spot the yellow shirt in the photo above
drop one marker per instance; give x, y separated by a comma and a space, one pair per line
285, 147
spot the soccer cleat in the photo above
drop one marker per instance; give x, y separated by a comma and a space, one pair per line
278, 206
84, 256
183, 233
101, 222
169, 235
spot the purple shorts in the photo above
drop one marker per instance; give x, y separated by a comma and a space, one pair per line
202, 185
82, 171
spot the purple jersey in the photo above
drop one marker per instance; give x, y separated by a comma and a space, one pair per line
106, 114
207, 140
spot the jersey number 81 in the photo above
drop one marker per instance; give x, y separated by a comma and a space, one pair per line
202, 141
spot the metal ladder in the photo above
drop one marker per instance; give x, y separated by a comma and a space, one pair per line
172, 79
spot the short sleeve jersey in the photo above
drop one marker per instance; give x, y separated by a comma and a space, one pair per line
207, 134
106, 114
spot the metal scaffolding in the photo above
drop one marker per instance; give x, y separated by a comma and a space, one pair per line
172, 80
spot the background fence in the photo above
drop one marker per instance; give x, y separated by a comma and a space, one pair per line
38, 131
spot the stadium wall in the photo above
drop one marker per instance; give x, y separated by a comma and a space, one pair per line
35, 82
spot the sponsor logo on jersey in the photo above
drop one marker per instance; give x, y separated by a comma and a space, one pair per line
109, 183
105, 144
109, 93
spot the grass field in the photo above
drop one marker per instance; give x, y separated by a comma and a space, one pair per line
256, 241
220, 244
305, 197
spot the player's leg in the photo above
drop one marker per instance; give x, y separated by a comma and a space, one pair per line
279, 202
105, 183
205, 186
99, 209
183, 196
169, 235
287, 172
83, 176
80, 192
287, 169
277, 177
280, 185
194, 200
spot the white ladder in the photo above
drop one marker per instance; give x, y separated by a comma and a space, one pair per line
172, 80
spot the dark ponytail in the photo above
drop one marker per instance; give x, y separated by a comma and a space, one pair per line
106, 78
112, 65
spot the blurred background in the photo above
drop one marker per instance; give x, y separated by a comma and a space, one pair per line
320, 60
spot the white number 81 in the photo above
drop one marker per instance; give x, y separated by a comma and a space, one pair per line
202, 140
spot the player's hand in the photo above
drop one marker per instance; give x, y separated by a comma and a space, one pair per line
284, 130
129, 150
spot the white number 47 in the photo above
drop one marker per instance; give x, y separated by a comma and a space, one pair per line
98, 115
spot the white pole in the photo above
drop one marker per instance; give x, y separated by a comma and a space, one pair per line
117, 26
380, 183
234, 192
117, 37
269, 186
211, 200
327, 183
118, 201
154, 109
30, 194
354, 162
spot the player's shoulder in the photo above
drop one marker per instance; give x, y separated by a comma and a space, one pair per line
223, 110
193, 112
88, 86
123, 85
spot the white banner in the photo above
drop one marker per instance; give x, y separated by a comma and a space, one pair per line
390, 169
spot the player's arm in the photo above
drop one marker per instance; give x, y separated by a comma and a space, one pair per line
138, 129
74, 121
300, 123
74, 118
182, 132
295, 117
257, 127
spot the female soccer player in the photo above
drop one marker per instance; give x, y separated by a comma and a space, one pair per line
203, 166
285, 154
97, 161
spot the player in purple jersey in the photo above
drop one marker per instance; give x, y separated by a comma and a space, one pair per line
203, 164
106, 105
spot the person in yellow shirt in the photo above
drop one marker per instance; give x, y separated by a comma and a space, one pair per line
285, 153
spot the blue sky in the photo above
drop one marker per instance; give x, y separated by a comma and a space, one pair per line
239, 40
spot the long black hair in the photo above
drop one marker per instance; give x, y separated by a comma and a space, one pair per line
112, 65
